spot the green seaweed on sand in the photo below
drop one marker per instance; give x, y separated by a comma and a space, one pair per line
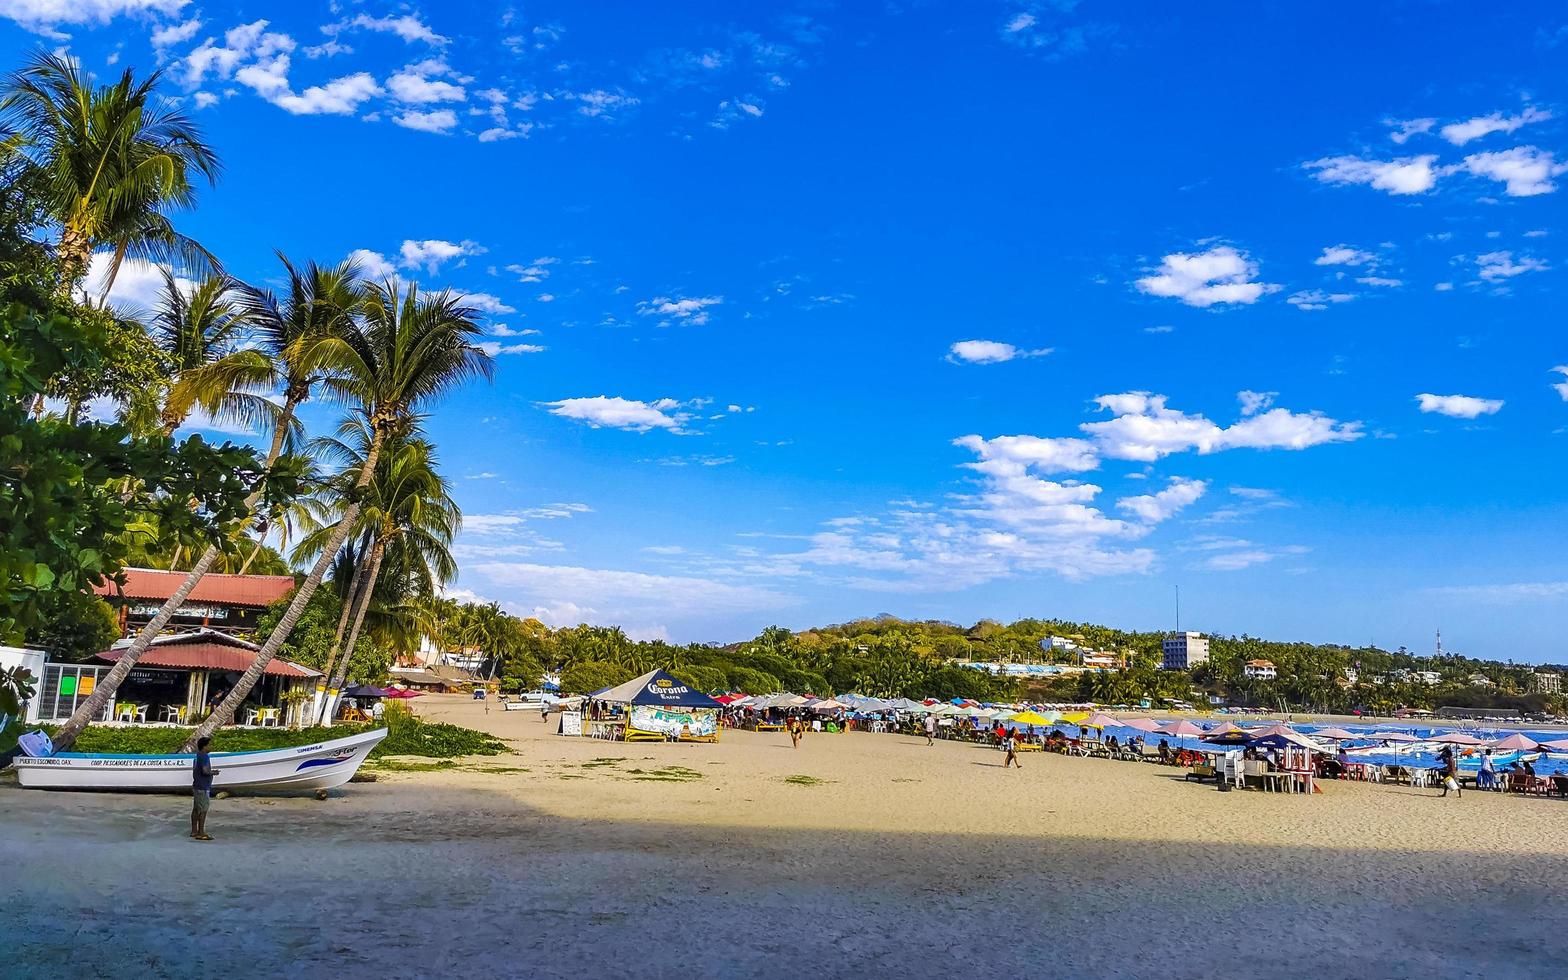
802, 780
601, 762
667, 774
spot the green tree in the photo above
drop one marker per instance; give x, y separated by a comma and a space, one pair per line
74, 626
588, 676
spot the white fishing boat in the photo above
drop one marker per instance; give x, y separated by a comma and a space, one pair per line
317, 767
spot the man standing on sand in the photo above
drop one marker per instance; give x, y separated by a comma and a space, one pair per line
1450, 773
1010, 746
201, 790
930, 729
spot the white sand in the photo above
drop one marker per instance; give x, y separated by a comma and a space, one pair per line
907, 860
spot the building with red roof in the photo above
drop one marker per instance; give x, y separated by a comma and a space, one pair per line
226, 603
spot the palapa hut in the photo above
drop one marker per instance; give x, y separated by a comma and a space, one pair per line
660, 707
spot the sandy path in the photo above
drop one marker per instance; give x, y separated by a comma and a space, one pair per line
906, 860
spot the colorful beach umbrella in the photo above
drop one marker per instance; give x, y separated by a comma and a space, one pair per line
1142, 724
1181, 727
1516, 741
1399, 737
1338, 734
1225, 728
1098, 720
1029, 718
1456, 738
1559, 745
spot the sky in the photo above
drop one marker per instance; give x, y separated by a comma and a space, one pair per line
806, 311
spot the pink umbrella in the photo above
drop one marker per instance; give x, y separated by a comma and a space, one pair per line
1560, 745
1338, 734
1395, 737
1225, 728
1516, 741
1275, 729
393, 692
1182, 727
1098, 720
1142, 724
1457, 738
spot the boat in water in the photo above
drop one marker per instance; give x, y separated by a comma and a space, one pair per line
317, 767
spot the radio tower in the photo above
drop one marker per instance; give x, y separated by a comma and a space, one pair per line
1439, 643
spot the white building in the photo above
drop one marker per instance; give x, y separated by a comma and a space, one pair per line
1480, 680
1352, 675
1260, 670
1184, 651
1546, 682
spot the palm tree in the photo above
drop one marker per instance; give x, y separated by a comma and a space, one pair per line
116, 157
407, 513
317, 302
201, 333
398, 352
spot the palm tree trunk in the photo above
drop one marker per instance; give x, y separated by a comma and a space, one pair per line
280, 634
245, 565
361, 605
73, 252
114, 271
110, 682
357, 583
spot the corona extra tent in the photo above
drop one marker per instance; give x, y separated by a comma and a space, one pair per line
661, 707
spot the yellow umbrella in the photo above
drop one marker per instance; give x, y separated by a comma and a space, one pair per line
1075, 716
1029, 718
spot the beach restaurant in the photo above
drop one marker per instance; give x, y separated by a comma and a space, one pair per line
658, 707
178, 677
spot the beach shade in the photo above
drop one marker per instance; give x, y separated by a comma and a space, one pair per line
1004, 714
363, 691
657, 687
1181, 727
1516, 741
1225, 728
1280, 739
1395, 737
1338, 734
1029, 718
1560, 745
1148, 725
827, 706
1098, 720
1456, 738
1274, 729
394, 692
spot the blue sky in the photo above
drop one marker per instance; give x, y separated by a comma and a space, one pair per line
805, 312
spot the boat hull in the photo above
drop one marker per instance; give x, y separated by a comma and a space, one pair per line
319, 766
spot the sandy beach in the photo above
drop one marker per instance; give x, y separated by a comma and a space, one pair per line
855, 855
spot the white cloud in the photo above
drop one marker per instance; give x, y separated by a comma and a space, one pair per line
408, 27
47, 16
1344, 255
1159, 507
1506, 592
563, 595
495, 349
1220, 275
1316, 299
438, 121
1019, 22
600, 103
1381, 281
412, 86
373, 265
536, 271
1461, 133
990, 352
1496, 266
502, 330
1062, 455
485, 302
1407, 175
137, 287
1145, 430
1459, 406
240, 44
205, 100
1561, 387
1403, 129
604, 411
178, 33
432, 253
692, 309
1524, 171
1253, 402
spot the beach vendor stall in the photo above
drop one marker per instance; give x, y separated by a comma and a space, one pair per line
661, 708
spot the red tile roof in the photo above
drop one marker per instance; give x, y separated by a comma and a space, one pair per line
253, 591
207, 650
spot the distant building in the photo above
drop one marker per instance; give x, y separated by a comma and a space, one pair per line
1546, 682
1099, 661
1430, 678
1352, 675
1260, 670
1057, 643
1184, 651
1480, 680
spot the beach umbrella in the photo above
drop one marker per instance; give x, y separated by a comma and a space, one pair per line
1456, 738
1181, 727
1029, 718
1400, 737
1098, 720
1338, 734
1560, 745
395, 692
1148, 725
1225, 728
1516, 741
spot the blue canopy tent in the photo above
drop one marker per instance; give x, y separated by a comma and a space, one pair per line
661, 707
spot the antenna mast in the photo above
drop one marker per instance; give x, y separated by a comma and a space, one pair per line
1178, 609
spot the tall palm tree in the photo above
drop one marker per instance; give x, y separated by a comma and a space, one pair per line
407, 514
400, 351
117, 158
202, 333
317, 302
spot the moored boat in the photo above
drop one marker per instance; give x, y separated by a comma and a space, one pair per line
316, 767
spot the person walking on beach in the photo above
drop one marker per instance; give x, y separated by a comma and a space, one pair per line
1451, 774
1010, 746
1487, 777
544, 711
201, 790
795, 732
930, 729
